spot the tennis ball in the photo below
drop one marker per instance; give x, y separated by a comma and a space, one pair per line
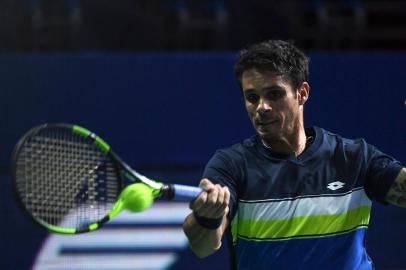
137, 197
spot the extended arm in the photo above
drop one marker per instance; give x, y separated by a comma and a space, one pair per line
211, 205
397, 192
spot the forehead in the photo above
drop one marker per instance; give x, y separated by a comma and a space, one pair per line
254, 79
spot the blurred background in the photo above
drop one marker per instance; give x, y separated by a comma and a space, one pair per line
154, 79
208, 25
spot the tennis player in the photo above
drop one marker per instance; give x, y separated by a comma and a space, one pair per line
290, 197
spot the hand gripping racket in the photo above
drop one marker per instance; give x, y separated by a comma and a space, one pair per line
70, 181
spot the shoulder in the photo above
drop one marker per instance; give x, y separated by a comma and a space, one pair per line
238, 150
350, 144
351, 149
234, 157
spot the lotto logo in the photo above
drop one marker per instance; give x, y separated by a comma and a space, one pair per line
335, 185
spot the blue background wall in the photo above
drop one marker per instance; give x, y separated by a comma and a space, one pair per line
167, 113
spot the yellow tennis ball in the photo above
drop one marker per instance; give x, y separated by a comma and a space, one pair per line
137, 197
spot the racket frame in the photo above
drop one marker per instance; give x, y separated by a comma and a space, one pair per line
122, 170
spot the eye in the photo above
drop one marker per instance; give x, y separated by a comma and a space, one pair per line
252, 98
275, 95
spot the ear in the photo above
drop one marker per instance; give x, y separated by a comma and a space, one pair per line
303, 93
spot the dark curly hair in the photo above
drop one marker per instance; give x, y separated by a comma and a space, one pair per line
277, 56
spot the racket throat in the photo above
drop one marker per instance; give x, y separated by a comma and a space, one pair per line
167, 192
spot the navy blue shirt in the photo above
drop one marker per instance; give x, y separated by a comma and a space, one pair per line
305, 212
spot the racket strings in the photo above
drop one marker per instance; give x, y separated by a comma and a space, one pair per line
65, 180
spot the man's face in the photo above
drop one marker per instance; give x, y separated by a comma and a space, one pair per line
272, 104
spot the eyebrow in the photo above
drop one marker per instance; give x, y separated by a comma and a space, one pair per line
274, 88
270, 88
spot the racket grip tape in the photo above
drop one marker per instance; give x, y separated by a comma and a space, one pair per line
182, 193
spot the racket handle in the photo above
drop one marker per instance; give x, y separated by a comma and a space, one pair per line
182, 193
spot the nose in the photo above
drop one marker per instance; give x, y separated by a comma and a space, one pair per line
263, 106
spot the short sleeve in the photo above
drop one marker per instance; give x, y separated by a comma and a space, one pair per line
382, 171
221, 169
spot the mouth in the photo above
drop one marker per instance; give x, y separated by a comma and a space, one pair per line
266, 123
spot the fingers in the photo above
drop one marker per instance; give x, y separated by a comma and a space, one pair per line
222, 202
213, 201
206, 184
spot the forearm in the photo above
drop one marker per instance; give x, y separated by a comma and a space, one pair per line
397, 192
202, 241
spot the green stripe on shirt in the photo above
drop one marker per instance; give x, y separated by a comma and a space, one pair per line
304, 227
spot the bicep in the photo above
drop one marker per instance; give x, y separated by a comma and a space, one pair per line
380, 173
397, 192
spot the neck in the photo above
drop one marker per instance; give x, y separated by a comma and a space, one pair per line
293, 143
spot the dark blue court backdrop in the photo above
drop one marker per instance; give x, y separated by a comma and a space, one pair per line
168, 113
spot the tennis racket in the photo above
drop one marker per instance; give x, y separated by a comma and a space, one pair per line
70, 181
